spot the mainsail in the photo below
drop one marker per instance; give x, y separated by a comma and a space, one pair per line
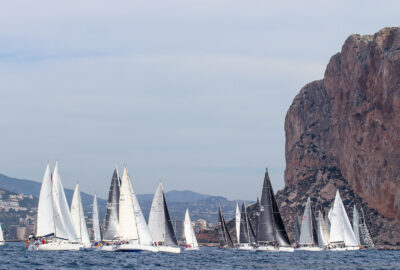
45, 216
246, 231
95, 220
266, 225
78, 217
237, 223
322, 231
127, 220
63, 221
189, 232
306, 230
224, 237
111, 224
1, 234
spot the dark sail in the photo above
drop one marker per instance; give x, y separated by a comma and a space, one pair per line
280, 232
297, 230
252, 235
314, 228
244, 231
265, 229
110, 231
365, 236
170, 237
223, 234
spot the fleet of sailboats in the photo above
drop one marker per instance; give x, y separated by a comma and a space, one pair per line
125, 229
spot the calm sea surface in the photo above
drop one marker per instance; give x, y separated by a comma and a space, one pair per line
15, 256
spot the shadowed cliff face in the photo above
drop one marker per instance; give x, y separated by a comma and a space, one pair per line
349, 123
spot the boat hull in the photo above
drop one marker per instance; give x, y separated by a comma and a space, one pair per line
344, 249
56, 246
135, 248
275, 249
245, 247
191, 248
169, 249
2, 243
109, 248
309, 249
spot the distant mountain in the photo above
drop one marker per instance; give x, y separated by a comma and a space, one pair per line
200, 205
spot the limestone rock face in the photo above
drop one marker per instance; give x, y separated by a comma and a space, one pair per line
349, 123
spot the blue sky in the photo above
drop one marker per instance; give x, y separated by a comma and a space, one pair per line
191, 92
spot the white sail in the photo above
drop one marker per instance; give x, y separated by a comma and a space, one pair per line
63, 222
190, 236
142, 228
322, 233
306, 229
45, 219
330, 214
95, 220
336, 231
349, 237
156, 217
1, 234
127, 219
78, 217
237, 223
356, 224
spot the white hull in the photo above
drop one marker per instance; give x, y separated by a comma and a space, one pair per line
2, 243
86, 246
135, 248
55, 246
109, 248
169, 249
275, 249
245, 247
191, 248
344, 249
309, 249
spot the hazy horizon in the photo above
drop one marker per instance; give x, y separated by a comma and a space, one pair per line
193, 93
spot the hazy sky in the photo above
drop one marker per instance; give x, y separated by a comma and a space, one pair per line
191, 92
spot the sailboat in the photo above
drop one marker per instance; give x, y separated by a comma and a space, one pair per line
363, 236
54, 229
342, 236
160, 224
96, 222
190, 236
224, 238
247, 236
110, 232
133, 231
308, 234
297, 230
271, 232
78, 219
1, 237
237, 223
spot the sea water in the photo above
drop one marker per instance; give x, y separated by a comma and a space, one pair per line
16, 256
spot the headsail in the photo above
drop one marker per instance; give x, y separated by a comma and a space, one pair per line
1, 234
170, 237
190, 236
45, 216
356, 225
237, 223
280, 232
95, 220
78, 217
63, 220
365, 239
111, 224
224, 237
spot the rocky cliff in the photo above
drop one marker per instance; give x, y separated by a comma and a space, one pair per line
344, 132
